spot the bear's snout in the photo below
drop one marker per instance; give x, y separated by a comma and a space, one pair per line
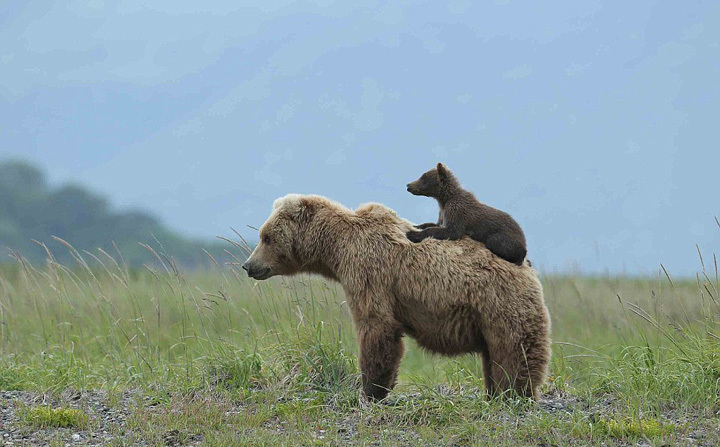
256, 271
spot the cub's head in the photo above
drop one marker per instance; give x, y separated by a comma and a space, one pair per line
431, 183
277, 253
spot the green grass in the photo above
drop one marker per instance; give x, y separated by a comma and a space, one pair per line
48, 417
219, 359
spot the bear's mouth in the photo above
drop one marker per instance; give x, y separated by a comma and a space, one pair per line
259, 273
264, 275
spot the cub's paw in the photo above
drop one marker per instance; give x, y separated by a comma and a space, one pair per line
414, 236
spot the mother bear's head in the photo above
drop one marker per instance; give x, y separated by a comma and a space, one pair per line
285, 239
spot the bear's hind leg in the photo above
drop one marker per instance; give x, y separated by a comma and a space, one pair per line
508, 378
510, 371
381, 349
487, 372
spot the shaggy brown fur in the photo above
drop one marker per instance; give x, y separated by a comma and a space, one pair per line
453, 297
461, 214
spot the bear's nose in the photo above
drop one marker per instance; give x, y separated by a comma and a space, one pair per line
245, 266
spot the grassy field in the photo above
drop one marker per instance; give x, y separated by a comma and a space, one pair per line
98, 354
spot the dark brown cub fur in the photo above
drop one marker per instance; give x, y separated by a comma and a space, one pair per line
462, 214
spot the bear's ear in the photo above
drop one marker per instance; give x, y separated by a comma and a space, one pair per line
295, 206
307, 208
302, 210
443, 172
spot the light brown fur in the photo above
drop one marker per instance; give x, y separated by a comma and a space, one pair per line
452, 297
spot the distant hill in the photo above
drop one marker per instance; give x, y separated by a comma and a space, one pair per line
30, 210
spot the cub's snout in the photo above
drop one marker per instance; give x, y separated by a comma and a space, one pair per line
412, 188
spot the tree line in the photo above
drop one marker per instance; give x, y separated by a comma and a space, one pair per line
33, 212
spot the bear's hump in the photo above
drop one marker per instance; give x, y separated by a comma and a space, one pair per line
375, 209
384, 217
294, 201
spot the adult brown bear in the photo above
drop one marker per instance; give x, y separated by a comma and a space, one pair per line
453, 297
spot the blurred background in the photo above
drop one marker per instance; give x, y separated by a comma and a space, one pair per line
594, 124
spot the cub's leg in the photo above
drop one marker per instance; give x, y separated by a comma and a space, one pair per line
430, 224
381, 349
452, 232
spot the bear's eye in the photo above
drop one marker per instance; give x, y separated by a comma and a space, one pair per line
267, 240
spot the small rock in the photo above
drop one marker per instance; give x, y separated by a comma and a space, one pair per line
172, 437
76, 437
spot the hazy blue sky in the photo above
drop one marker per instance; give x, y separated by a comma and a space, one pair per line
594, 123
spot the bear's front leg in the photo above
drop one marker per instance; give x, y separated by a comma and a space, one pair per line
381, 349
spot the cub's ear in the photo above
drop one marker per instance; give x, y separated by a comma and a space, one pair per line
443, 172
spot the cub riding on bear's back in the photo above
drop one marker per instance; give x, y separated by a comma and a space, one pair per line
453, 297
462, 214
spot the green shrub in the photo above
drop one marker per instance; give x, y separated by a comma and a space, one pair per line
633, 428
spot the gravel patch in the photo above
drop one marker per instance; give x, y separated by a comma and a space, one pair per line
110, 417
107, 423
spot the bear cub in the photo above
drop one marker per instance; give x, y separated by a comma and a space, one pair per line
462, 214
